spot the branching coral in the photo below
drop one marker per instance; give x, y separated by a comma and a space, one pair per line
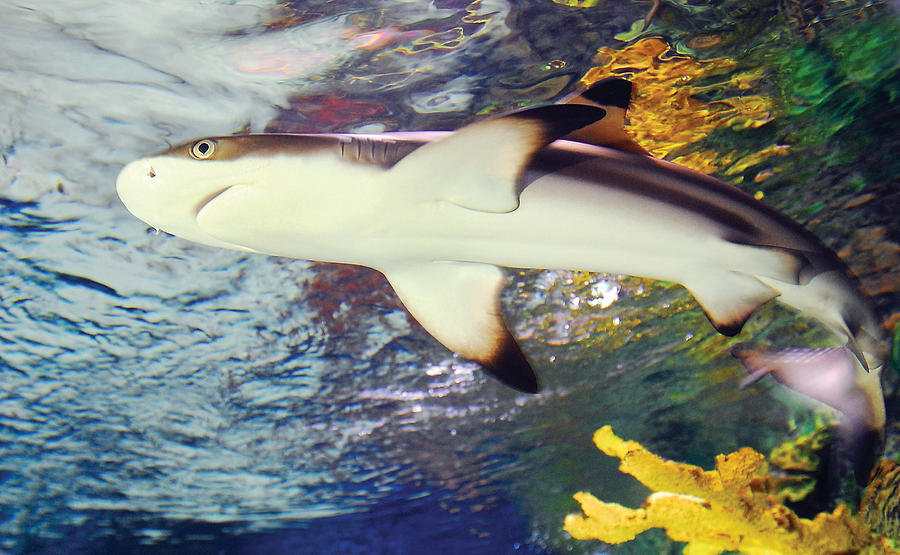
730, 508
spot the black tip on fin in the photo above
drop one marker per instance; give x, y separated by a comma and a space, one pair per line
509, 365
729, 298
612, 91
558, 120
728, 326
729, 329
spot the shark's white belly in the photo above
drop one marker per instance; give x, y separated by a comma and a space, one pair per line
560, 223
563, 223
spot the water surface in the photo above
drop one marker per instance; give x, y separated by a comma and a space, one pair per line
161, 395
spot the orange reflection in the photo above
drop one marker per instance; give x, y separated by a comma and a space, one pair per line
668, 118
380, 38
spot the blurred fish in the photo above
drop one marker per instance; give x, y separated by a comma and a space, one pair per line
828, 375
559, 186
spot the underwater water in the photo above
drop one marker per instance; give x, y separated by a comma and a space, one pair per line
160, 396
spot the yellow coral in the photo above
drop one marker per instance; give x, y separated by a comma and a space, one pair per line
674, 119
730, 508
578, 3
800, 453
799, 458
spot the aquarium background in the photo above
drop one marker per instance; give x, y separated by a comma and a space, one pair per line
160, 396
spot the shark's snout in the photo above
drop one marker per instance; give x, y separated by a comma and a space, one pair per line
165, 195
133, 176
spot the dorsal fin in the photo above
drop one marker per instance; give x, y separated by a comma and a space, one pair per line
479, 166
612, 91
613, 94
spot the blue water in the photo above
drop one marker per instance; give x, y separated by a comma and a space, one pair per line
160, 396
406, 523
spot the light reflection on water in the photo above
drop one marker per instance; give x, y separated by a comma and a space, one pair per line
157, 392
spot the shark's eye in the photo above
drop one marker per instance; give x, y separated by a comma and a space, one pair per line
203, 149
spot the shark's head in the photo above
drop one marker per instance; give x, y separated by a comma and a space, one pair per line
170, 189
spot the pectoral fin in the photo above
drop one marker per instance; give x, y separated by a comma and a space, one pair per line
479, 166
458, 303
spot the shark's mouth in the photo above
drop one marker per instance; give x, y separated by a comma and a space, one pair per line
206, 207
209, 199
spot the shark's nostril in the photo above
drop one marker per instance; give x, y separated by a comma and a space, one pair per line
150, 171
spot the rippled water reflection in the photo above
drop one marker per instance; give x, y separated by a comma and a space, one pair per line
159, 394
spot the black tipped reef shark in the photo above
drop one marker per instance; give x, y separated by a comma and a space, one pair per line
559, 187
